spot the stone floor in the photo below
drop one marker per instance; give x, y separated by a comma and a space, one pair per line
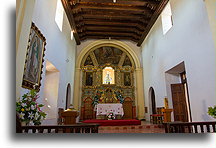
145, 127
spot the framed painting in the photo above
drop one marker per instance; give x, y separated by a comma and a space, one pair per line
34, 59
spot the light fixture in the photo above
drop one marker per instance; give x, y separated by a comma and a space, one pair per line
114, 1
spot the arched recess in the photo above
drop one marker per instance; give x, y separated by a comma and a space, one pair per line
139, 96
152, 103
68, 96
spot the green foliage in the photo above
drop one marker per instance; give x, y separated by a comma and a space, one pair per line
212, 111
29, 110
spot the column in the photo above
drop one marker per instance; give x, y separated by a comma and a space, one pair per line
211, 7
77, 89
139, 93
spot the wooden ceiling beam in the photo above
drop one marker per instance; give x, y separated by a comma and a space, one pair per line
128, 18
127, 2
70, 17
111, 29
156, 14
95, 6
110, 34
113, 13
110, 24
103, 37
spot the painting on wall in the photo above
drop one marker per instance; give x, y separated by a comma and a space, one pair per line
34, 59
127, 79
89, 78
108, 54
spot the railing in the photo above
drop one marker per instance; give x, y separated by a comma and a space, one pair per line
190, 127
73, 128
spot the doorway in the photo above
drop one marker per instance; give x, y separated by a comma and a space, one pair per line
51, 86
178, 94
68, 96
179, 102
152, 101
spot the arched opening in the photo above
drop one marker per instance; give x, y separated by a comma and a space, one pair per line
126, 60
152, 104
108, 73
68, 96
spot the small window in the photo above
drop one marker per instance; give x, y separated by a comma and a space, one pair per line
167, 22
108, 75
59, 14
72, 36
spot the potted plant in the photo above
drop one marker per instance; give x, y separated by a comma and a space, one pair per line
29, 110
212, 111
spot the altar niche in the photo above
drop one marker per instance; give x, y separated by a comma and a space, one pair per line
108, 73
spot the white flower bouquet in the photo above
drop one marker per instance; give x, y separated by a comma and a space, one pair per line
29, 110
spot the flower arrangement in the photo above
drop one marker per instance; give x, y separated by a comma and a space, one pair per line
29, 110
110, 116
212, 111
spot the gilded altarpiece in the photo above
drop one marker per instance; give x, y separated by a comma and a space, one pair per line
93, 87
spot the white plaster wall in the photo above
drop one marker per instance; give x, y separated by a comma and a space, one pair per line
60, 49
51, 86
189, 40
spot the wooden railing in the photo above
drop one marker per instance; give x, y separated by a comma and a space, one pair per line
72, 128
190, 127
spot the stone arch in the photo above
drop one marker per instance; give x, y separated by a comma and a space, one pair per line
152, 102
113, 43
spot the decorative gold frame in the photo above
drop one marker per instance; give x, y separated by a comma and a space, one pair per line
34, 59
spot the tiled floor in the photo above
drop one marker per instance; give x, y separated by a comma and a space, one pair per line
145, 127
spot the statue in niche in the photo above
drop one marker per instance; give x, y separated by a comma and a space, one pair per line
108, 78
89, 79
127, 79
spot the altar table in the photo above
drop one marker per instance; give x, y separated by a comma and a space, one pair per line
103, 109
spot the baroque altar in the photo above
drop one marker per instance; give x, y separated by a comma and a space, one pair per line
108, 78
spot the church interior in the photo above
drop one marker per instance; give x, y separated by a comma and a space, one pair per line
115, 66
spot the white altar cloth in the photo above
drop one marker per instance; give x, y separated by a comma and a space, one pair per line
116, 108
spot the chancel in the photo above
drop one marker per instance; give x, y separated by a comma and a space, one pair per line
115, 66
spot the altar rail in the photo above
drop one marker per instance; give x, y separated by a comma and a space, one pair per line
190, 127
73, 128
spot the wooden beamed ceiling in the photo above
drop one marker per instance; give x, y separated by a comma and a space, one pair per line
104, 19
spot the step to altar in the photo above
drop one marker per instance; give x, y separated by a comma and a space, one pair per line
151, 128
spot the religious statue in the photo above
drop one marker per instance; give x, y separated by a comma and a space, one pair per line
108, 78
